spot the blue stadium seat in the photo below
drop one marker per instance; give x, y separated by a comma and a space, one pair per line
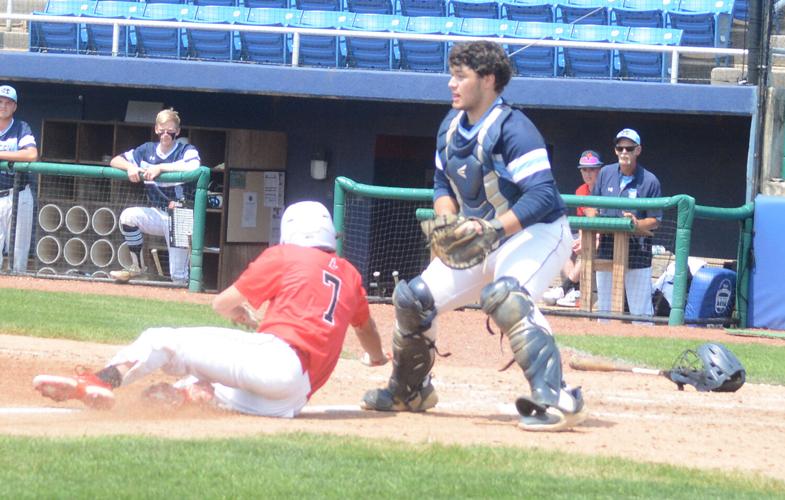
266, 48
429, 8
740, 9
100, 36
180, 2
56, 38
648, 65
370, 6
68, 7
218, 13
583, 12
158, 42
113, 8
166, 11
222, 3
706, 23
329, 5
422, 55
210, 44
535, 60
318, 50
641, 13
478, 26
592, 63
488, 9
268, 4
372, 53
535, 11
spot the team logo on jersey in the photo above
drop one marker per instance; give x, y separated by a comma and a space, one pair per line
461, 171
333, 264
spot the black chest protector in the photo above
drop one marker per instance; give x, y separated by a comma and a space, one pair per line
470, 166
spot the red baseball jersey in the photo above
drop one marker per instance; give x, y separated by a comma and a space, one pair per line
313, 298
583, 190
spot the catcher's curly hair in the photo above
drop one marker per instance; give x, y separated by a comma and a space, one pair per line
485, 58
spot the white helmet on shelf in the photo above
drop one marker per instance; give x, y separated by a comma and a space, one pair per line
308, 224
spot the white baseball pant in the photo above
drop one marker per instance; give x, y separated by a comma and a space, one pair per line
534, 256
24, 227
156, 222
254, 373
637, 285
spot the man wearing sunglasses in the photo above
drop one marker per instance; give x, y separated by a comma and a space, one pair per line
144, 164
628, 179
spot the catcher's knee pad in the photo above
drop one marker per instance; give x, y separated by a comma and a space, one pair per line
413, 352
533, 347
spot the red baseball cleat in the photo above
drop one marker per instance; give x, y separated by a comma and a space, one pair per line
84, 386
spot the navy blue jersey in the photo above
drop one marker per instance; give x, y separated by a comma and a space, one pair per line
643, 184
515, 174
16, 137
161, 193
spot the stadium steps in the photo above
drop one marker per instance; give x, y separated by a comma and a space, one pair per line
18, 38
736, 73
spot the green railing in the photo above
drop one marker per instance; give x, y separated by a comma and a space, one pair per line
201, 176
684, 205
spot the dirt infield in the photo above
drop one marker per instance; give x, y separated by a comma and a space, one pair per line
633, 416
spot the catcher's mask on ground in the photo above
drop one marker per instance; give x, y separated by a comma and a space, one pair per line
308, 224
712, 367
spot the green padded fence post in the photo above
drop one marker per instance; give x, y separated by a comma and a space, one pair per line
339, 210
684, 220
196, 274
744, 214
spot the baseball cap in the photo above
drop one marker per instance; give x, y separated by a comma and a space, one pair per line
590, 159
630, 134
8, 91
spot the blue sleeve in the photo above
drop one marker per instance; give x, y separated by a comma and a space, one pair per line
526, 164
441, 185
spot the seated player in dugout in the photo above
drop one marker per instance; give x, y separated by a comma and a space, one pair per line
16, 144
491, 165
144, 164
313, 296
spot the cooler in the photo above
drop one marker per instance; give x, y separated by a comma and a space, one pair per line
712, 294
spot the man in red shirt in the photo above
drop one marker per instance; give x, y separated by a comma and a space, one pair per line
569, 293
313, 296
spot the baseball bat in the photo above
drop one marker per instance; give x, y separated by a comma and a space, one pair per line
610, 366
154, 253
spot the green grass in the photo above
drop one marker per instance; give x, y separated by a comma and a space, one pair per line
318, 466
95, 318
763, 363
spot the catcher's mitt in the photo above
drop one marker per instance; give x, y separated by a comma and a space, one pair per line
455, 240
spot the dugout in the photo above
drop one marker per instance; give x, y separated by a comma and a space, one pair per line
379, 128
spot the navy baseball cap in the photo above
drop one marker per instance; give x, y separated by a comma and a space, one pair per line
8, 91
630, 134
590, 159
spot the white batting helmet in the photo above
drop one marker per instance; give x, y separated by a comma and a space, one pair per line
308, 224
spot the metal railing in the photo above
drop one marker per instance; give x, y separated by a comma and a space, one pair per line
674, 51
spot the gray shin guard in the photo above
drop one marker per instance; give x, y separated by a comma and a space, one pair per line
413, 353
533, 347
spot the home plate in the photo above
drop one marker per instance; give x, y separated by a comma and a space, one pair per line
321, 409
34, 410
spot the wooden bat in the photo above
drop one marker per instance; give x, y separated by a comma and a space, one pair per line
154, 253
593, 365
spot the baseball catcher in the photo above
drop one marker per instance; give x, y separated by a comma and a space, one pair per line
500, 236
